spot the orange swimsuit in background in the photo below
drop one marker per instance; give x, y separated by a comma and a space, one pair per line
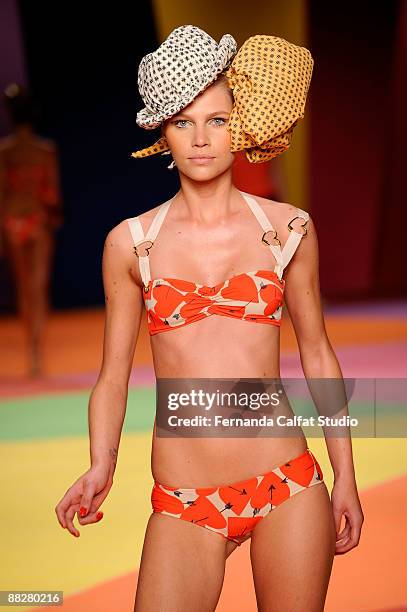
27, 181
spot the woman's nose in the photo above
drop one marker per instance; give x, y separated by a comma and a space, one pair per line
200, 137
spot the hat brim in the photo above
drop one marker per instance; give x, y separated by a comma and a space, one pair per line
150, 120
158, 147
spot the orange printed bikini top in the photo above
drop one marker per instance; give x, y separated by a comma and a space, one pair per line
30, 180
255, 296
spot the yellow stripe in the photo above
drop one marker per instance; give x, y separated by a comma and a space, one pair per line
39, 554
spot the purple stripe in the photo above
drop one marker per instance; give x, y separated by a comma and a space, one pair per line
386, 360
141, 376
396, 309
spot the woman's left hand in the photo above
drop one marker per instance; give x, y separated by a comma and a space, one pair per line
345, 501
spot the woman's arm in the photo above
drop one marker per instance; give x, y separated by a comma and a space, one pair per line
2, 173
108, 399
51, 196
123, 308
318, 360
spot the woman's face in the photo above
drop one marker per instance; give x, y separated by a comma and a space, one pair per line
198, 137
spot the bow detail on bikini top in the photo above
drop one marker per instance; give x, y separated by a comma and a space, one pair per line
255, 296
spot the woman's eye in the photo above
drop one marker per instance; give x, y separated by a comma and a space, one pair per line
180, 121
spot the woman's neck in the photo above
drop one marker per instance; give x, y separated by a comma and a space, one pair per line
208, 202
23, 131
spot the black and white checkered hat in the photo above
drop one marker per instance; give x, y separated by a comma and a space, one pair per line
181, 68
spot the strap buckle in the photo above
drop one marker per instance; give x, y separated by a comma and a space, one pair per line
147, 249
302, 225
277, 241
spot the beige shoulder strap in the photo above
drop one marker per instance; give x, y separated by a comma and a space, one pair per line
282, 256
294, 238
143, 243
268, 228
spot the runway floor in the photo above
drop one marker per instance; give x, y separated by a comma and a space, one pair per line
44, 448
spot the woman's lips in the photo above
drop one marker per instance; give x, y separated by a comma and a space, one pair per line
201, 160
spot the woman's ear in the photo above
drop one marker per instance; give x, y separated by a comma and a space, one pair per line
162, 129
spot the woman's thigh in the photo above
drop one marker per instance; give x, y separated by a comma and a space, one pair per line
292, 551
42, 251
182, 567
19, 259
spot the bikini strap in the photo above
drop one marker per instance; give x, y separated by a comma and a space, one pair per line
143, 243
282, 256
295, 237
269, 236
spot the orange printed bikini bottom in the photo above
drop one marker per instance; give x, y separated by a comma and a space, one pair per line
234, 510
21, 228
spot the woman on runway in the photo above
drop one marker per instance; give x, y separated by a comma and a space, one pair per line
212, 266
30, 212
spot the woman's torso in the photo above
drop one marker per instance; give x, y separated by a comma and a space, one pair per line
216, 346
25, 164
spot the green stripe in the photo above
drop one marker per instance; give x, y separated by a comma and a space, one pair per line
66, 414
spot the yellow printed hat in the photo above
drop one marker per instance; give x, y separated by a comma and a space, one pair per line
269, 78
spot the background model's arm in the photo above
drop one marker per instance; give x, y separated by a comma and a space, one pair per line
123, 299
51, 192
2, 187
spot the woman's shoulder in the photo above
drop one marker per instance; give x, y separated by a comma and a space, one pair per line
46, 144
148, 215
36, 148
7, 143
281, 212
121, 232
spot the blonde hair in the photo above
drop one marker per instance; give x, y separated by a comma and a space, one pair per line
220, 80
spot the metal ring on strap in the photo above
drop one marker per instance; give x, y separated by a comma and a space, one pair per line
302, 225
147, 248
274, 238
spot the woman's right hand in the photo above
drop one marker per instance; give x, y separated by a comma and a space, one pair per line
88, 492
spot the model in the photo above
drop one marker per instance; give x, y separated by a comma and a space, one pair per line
30, 212
212, 266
